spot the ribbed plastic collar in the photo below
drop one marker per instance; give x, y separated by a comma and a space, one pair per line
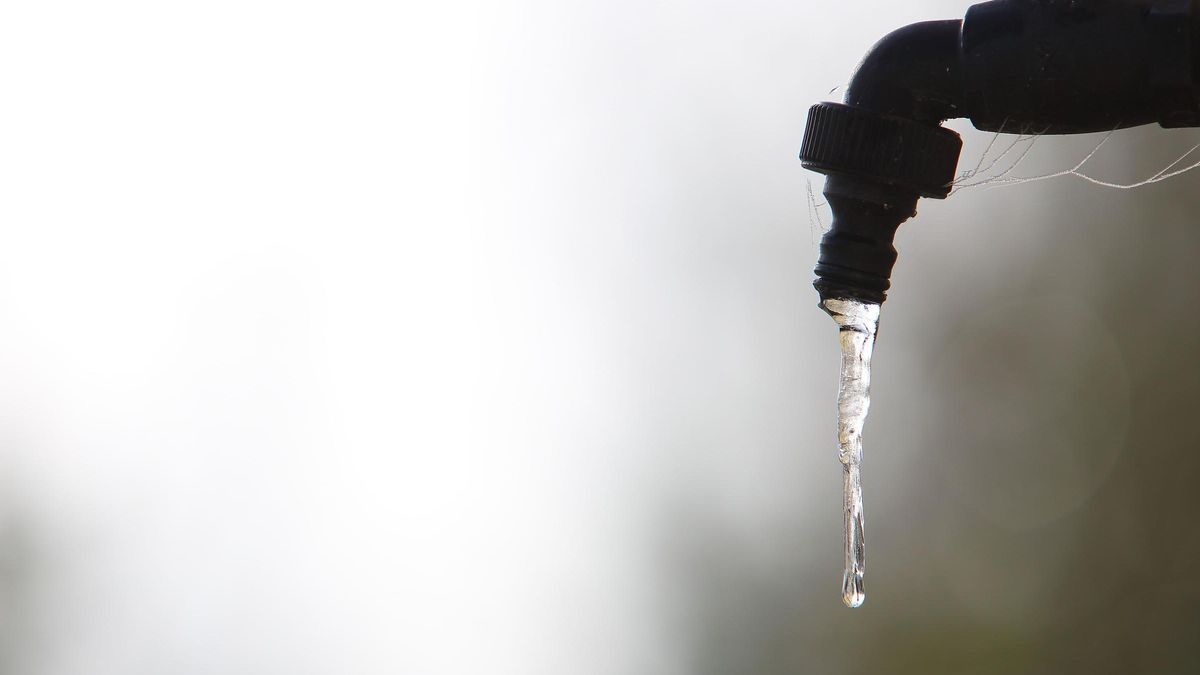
892, 150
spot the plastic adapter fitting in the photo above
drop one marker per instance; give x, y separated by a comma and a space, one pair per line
1043, 66
877, 166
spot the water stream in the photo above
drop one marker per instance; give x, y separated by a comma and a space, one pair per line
857, 325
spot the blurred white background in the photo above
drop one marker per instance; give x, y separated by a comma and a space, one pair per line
367, 337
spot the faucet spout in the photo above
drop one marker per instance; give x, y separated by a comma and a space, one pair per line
1045, 66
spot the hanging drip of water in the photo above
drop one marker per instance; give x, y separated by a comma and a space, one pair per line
857, 326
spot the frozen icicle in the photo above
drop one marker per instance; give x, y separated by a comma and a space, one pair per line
857, 325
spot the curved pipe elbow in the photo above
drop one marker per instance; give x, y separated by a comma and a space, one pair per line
914, 72
1050, 67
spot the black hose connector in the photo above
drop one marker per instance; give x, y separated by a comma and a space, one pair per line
878, 165
1018, 66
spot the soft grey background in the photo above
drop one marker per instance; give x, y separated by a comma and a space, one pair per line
478, 338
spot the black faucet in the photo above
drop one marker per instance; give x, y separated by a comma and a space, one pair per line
1041, 66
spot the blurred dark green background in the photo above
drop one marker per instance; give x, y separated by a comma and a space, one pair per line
1046, 407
